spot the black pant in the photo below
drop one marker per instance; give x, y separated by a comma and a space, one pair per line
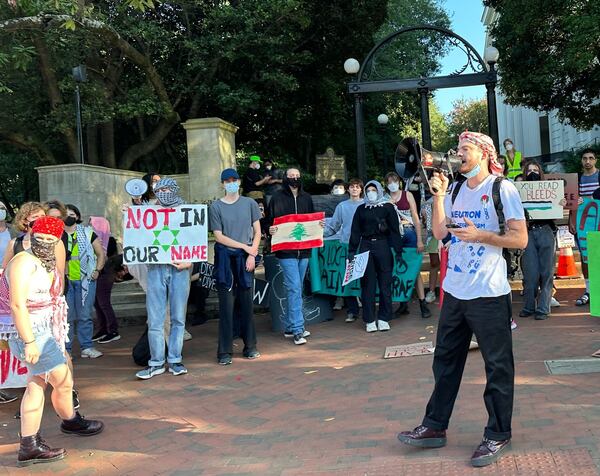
227, 300
105, 314
489, 319
379, 271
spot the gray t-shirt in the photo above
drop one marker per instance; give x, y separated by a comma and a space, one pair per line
235, 220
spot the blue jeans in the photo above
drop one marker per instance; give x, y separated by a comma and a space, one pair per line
538, 270
166, 282
80, 314
294, 271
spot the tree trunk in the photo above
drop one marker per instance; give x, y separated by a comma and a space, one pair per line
107, 134
133, 153
92, 145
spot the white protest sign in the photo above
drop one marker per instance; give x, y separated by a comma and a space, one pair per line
13, 372
162, 235
564, 237
541, 198
356, 268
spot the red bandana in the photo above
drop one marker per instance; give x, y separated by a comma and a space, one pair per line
486, 144
48, 225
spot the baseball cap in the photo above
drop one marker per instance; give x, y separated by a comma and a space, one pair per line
228, 174
255, 158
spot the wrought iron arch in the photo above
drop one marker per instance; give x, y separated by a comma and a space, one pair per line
483, 74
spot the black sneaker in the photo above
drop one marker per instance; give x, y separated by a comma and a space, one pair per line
98, 335
253, 354
290, 334
299, 339
225, 360
110, 337
7, 397
75, 400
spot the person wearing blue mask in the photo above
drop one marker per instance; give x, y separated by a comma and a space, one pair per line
235, 222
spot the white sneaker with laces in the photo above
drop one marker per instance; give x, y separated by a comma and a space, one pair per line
339, 304
372, 326
430, 297
91, 353
383, 325
554, 303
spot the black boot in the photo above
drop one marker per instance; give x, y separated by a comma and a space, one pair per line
34, 450
402, 309
78, 425
425, 312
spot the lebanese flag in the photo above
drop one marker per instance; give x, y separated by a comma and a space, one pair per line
298, 232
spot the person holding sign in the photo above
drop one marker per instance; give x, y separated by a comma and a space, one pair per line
589, 182
31, 291
294, 262
375, 228
235, 222
166, 283
340, 226
539, 258
477, 297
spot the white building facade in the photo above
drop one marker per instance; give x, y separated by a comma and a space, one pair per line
536, 133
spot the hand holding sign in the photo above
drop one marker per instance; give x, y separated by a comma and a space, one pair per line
356, 268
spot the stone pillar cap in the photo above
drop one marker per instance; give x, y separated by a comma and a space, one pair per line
209, 123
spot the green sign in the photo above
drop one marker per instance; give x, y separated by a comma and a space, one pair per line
593, 241
588, 219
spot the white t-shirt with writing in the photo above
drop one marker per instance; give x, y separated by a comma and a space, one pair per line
475, 269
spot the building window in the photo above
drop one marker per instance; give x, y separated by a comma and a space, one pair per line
544, 135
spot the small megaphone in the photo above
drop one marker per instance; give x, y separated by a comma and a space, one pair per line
136, 187
411, 160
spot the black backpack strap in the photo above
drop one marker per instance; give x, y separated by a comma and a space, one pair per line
498, 203
456, 189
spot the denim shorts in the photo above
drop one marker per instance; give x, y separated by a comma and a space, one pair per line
409, 239
50, 354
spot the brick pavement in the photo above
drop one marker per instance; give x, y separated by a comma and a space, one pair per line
277, 416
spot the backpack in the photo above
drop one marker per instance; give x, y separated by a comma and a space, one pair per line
141, 350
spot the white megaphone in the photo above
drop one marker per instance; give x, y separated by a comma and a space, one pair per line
136, 187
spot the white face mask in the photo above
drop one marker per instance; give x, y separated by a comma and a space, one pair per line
509, 147
393, 186
338, 191
268, 167
2, 214
372, 195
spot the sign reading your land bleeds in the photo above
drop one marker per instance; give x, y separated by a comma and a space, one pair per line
159, 235
298, 232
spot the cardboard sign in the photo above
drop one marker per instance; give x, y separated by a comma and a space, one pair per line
13, 373
541, 199
300, 231
588, 219
593, 240
564, 237
327, 267
356, 268
160, 235
571, 186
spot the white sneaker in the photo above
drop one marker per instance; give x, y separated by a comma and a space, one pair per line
289, 335
383, 325
430, 297
513, 325
554, 303
372, 326
91, 353
186, 335
351, 317
339, 304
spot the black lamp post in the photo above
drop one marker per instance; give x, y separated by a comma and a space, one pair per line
491, 55
352, 66
383, 120
80, 76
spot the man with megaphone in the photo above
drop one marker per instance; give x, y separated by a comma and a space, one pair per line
480, 216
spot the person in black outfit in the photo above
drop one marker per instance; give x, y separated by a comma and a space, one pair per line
254, 181
375, 227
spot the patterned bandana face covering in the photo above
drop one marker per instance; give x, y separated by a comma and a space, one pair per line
170, 197
44, 252
486, 145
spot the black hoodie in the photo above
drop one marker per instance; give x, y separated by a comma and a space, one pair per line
284, 203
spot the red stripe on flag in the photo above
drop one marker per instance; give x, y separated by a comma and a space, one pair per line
299, 218
297, 245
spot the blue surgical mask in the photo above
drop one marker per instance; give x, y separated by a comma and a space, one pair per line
232, 187
473, 172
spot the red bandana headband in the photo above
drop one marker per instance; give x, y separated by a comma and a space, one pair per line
486, 144
49, 226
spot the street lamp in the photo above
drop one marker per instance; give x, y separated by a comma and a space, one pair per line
80, 76
352, 67
491, 55
383, 120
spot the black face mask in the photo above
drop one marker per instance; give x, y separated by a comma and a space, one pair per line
293, 182
533, 177
70, 221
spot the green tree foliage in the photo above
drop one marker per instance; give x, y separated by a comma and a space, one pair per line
549, 56
465, 115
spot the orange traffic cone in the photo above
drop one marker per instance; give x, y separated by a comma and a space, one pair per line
566, 264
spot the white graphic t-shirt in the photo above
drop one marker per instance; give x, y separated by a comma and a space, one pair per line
476, 269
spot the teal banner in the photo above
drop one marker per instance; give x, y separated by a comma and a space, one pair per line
588, 219
327, 266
